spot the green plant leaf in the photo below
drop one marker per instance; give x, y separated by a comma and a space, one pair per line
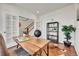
68, 30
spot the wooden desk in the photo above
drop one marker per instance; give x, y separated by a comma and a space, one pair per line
34, 45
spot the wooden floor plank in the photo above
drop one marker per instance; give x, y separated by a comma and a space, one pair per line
57, 50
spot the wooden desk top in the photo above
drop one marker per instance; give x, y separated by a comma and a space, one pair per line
31, 49
38, 42
33, 45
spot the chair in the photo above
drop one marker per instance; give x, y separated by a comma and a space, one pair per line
9, 52
3, 49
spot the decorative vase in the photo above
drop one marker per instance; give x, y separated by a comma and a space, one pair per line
37, 33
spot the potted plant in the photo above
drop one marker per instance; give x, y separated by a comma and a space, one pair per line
67, 32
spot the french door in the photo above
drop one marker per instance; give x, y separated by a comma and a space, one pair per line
10, 29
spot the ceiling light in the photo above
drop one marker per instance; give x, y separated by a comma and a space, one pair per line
37, 12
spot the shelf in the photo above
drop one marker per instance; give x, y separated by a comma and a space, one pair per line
52, 39
52, 27
52, 35
53, 31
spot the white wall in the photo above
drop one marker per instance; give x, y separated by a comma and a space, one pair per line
77, 31
16, 11
65, 16
0, 20
77, 37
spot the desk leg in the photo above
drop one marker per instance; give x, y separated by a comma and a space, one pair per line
48, 49
17, 45
34, 54
40, 52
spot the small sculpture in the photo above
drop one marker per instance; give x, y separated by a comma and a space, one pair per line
37, 33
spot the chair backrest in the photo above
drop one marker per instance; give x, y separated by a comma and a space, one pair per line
3, 48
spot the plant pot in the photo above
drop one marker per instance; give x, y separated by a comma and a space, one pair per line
67, 43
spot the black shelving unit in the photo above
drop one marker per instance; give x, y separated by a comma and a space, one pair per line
53, 31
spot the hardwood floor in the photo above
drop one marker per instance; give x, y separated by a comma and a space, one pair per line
59, 50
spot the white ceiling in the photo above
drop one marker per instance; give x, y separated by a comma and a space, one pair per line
43, 8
